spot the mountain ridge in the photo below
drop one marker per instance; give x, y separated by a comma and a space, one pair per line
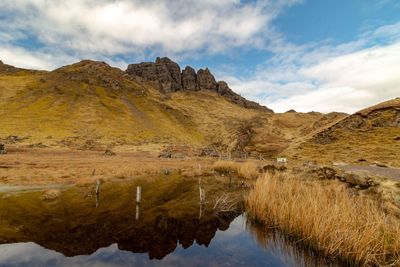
163, 74
369, 135
168, 77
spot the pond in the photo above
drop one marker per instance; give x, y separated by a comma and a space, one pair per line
168, 228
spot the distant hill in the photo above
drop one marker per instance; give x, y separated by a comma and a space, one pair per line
372, 134
91, 105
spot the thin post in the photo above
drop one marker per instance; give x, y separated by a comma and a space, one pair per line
138, 194
200, 210
202, 193
137, 212
97, 187
97, 192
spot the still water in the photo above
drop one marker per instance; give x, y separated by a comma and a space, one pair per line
169, 228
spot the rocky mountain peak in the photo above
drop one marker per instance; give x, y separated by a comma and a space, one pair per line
205, 80
189, 79
166, 75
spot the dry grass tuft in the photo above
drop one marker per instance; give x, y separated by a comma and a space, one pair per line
326, 217
227, 203
246, 170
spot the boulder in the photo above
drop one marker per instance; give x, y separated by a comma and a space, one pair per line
165, 154
189, 82
272, 169
206, 81
209, 152
360, 178
3, 149
324, 172
109, 153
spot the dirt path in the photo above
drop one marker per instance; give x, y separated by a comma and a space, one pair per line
392, 173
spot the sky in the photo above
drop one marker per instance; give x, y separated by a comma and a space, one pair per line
307, 55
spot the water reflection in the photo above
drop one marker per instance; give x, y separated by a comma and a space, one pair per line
165, 229
272, 240
72, 225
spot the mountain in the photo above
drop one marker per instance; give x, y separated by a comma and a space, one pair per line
372, 134
166, 75
91, 105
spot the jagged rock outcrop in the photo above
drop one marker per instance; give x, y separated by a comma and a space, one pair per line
166, 75
206, 81
189, 82
223, 88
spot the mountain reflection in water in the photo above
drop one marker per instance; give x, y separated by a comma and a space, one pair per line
171, 231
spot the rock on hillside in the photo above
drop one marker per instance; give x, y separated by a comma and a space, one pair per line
167, 76
164, 74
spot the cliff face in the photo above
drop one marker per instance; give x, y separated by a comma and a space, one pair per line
167, 76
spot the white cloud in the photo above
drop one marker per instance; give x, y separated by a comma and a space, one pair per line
106, 28
315, 76
345, 77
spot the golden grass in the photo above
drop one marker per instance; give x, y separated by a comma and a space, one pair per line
44, 166
327, 218
246, 170
53, 109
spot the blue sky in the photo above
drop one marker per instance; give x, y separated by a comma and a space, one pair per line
302, 54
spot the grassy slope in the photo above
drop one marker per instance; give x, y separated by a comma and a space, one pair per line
373, 140
89, 104
67, 105
325, 216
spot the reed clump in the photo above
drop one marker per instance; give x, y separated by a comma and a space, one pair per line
246, 170
326, 217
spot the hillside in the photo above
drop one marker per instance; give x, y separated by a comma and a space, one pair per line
91, 105
372, 134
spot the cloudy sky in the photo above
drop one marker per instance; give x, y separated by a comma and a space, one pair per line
306, 55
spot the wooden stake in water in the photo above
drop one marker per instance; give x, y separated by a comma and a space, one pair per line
138, 194
97, 192
137, 212
202, 195
201, 192
97, 187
